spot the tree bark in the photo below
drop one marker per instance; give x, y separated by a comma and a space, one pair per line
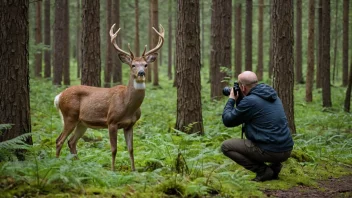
47, 42
38, 39
310, 53
319, 46
238, 41
336, 39
170, 38
298, 62
14, 71
151, 40
347, 105
59, 48
117, 65
248, 36
271, 43
282, 38
78, 41
66, 43
155, 24
91, 43
108, 55
325, 67
136, 38
260, 41
221, 46
345, 43
189, 107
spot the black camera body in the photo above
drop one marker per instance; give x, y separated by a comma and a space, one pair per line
236, 88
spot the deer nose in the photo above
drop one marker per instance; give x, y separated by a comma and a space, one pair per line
141, 73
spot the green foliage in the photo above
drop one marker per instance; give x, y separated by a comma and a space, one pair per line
169, 162
8, 147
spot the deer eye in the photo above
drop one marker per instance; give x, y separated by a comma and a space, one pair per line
133, 65
145, 65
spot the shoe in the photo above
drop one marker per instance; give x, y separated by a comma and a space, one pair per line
264, 175
276, 170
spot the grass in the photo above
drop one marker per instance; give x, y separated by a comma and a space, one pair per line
170, 162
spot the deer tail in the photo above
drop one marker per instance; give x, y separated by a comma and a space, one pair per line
56, 103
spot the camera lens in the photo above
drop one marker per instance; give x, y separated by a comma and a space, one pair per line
226, 91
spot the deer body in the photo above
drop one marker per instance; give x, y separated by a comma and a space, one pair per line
83, 107
98, 107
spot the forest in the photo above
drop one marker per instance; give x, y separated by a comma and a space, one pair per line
168, 60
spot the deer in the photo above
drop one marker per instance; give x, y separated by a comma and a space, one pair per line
81, 107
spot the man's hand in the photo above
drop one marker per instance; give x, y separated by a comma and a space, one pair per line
233, 95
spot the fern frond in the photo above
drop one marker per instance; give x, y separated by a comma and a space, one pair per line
4, 127
16, 143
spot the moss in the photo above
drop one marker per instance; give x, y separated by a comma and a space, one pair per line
171, 187
301, 156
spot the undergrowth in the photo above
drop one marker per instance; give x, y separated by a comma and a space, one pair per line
169, 162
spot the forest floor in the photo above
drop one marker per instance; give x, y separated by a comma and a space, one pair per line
333, 187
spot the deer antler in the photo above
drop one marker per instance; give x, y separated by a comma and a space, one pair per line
113, 41
160, 42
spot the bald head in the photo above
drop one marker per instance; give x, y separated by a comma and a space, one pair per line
248, 78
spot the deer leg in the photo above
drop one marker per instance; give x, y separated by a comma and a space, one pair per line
72, 142
129, 142
113, 143
69, 126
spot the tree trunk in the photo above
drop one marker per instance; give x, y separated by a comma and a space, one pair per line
238, 41
14, 71
136, 38
260, 41
47, 42
108, 55
335, 41
347, 105
221, 46
282, 38
91, 43
59, 47
170, 38
38, 39
345, 43
310, 53
319, 43
150, 32
202, 32
298, 62
270, 68
78, 40
66, 37
155, 24
117, 65
175, 68
325, 67
249, 20
189, 107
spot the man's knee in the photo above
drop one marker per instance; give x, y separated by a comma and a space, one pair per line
228, 145
223, 147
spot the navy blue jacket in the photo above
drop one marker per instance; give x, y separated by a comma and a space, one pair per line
264, 118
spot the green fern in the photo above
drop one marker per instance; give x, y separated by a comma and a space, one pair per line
7, 147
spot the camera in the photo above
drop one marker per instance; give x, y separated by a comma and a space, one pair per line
236, 88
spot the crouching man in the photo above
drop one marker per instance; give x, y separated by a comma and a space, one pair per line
265, 127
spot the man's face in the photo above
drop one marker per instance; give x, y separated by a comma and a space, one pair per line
242, 87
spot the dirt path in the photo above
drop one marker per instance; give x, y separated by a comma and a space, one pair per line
334, 187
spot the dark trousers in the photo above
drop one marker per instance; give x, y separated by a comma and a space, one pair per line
247, 154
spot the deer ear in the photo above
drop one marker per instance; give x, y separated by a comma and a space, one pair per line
125, 59
151, 57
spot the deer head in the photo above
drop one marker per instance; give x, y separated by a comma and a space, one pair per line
138, 65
